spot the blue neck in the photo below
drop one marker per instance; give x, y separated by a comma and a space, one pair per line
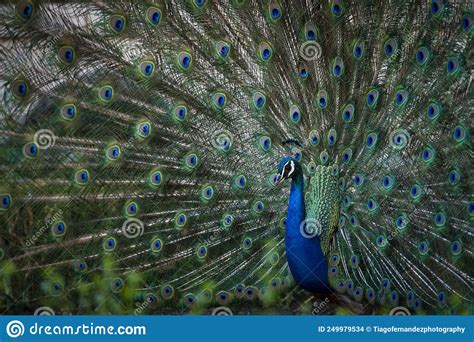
306, 260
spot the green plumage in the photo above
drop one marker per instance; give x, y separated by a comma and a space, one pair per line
323, 204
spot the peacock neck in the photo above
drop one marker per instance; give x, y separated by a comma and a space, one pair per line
307, 262
296, 206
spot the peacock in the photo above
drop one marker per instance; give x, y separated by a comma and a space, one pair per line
236, 157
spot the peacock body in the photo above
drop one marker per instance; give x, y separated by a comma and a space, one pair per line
145, 147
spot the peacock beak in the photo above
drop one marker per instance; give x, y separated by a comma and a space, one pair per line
279, 180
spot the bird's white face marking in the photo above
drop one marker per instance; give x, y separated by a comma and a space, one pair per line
287, 170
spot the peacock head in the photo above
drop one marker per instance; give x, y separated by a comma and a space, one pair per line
288, 167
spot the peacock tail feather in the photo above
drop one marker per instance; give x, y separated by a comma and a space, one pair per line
140, 143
